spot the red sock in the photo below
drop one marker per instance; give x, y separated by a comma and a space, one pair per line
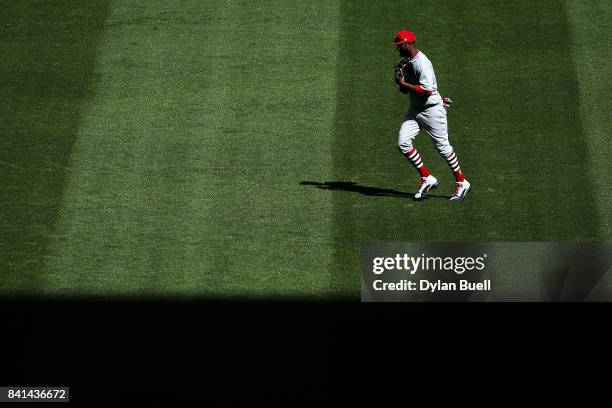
458, 175
453, 162
417, 162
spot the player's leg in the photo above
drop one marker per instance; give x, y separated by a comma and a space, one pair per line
435, 123
408, 132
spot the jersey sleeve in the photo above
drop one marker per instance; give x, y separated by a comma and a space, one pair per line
426, 77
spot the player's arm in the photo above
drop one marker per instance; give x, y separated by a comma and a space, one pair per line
426, 78
405, 87
402, 89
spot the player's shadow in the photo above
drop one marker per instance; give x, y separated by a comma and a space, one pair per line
365, 190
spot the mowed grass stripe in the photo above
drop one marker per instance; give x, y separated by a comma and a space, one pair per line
46, 71
125, 193
515, 125
271, 235
589, 23
527, 131
188, 167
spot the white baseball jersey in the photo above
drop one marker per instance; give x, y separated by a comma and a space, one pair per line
422, 73
427, 110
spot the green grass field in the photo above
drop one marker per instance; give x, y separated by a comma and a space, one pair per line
247, 148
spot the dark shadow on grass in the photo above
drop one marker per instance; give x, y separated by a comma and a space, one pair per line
123, 352
352, 186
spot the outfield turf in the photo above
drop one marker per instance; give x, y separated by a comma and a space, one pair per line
248, 148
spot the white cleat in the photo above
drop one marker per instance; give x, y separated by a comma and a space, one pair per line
425, 184
461, 189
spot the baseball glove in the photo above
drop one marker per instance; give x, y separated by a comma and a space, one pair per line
402, 68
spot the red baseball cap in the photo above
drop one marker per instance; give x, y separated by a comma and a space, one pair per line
404, 36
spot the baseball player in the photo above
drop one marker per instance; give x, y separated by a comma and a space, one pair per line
415, 76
